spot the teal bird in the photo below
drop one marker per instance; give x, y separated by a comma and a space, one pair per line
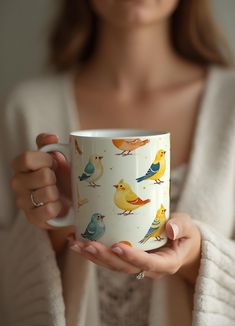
95, 229
93, 170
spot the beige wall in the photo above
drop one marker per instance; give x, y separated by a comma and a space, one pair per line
23, 33
24, 29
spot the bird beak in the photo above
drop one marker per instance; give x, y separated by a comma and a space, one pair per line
102, 217
164, 152
100, 157
116, 186
164, 210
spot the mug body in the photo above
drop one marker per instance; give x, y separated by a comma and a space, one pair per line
121, 186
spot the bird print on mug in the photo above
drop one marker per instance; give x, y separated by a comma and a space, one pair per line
157, 168
77, 147
126, 199
157, 227
127, 146
93, 171
96, 228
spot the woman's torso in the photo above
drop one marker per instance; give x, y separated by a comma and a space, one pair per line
172, 108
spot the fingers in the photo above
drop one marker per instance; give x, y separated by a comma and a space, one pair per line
45, 139
40, 215
180, 225
103, 256
29, 181
32, 161
165, 262
44, 195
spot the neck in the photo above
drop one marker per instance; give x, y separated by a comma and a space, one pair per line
140, 57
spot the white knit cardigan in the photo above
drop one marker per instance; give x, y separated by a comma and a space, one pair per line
30, 280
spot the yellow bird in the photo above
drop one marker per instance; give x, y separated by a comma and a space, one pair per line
157, 168
126, 199
157, 227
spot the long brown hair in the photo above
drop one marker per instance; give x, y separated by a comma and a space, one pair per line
194, 34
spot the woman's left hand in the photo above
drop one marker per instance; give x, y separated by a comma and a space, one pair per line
181, 255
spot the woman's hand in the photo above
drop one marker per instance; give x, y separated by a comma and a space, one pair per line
48, 177
181, 254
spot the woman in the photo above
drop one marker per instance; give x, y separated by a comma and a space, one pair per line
130, 64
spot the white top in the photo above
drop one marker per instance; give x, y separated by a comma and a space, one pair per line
30, 282
124, 300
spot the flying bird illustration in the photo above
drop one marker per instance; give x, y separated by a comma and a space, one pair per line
126, 199
157, 168
128, 145
157, 227
96, 228
93, 170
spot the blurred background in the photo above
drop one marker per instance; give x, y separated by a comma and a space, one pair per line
24, 29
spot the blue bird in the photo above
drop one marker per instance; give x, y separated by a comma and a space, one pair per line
157, 168
93, 170
95, 229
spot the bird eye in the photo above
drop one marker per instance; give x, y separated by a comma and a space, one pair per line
120, 186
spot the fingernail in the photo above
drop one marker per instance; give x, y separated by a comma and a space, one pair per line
175, 229
92, 250
117, 250
45, 135
76, 248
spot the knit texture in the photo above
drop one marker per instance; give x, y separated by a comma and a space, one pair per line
215, 287
31, 290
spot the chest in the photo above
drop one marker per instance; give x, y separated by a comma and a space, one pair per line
175, 112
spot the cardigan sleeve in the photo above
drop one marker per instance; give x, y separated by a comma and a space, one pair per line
30, 282
214, 298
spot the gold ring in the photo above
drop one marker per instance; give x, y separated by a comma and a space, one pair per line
34, 202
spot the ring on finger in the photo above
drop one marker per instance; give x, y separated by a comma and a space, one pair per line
140, 275
34, 202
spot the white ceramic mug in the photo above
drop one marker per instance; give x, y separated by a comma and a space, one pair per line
121, 186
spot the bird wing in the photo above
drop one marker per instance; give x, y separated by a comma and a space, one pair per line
136, 201
155, 225
89, 168
91, 228
132, 141
153, 169
131, 197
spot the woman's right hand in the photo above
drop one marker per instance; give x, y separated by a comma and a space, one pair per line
48, 177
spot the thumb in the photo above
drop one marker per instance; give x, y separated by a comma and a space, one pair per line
45, 139
180, 225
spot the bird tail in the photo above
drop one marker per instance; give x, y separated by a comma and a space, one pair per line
83, 177
143, 240
146, 201
146, 141
141, 178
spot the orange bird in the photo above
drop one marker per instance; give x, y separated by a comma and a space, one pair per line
128, 145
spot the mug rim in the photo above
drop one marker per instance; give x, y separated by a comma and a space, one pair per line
118, 133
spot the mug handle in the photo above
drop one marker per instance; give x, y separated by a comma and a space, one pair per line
64, 150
